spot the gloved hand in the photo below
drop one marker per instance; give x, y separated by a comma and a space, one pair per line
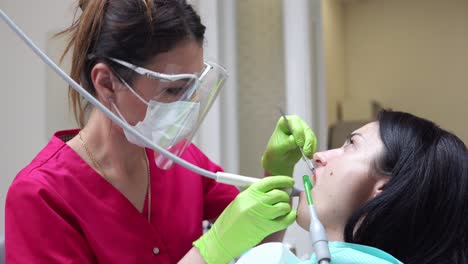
255, 213
282, 152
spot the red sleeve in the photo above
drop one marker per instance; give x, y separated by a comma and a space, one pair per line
217, 196
39, 227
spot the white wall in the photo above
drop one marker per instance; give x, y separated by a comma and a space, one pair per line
333, 27
261, 78
23, 80
410, 55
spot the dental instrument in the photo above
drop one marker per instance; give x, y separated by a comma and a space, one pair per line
223, 177
304, 157
317, 232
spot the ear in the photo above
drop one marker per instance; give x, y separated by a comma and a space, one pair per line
380, 185
102, 78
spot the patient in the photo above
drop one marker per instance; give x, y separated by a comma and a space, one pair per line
398, 185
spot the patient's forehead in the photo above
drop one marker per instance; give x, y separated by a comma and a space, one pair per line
369, 129
368, 138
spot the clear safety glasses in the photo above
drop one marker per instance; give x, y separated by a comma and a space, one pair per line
175, 87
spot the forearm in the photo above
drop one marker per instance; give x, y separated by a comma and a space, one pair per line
192, 257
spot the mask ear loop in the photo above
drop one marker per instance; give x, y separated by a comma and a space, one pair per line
131, 89
116, 109
110, 100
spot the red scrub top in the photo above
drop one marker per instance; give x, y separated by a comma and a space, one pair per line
60, 210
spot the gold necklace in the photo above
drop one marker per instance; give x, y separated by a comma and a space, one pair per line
98, 167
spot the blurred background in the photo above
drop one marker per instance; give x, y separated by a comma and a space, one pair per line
333, 62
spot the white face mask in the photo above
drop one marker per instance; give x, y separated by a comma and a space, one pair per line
165, 124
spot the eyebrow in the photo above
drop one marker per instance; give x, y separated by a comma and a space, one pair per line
348, 138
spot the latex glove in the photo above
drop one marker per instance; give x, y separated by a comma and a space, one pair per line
255, 213
282, 152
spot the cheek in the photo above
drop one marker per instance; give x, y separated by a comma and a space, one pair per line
328, 183
149, 89
351, 196
361, 192
338, 194
131, 107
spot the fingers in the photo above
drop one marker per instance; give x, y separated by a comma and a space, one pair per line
303, 135
273, 204
292, 142
287, 219
283, 221
271, 212
273, 182
282, 213
310, 145
282, 126
298, 128
276, 196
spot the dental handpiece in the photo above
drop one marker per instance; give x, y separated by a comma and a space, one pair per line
246, 181
317, 231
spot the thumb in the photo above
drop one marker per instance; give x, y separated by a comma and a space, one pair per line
273, 182
288, 219
310, 144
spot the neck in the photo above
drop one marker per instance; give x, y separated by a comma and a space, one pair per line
121, 163
111, 149
335, 234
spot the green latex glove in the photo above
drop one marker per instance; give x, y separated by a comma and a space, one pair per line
282, 152
255, 213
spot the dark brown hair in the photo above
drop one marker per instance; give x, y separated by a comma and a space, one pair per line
131, 30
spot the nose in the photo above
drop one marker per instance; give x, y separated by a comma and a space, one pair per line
319, 159
322, 158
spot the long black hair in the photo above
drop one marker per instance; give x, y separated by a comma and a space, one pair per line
421, 215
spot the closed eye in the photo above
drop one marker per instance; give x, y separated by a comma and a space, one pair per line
349, 140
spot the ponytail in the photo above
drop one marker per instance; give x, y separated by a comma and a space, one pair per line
84, 32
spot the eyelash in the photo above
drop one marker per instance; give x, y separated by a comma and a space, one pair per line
349, 141
174, 91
